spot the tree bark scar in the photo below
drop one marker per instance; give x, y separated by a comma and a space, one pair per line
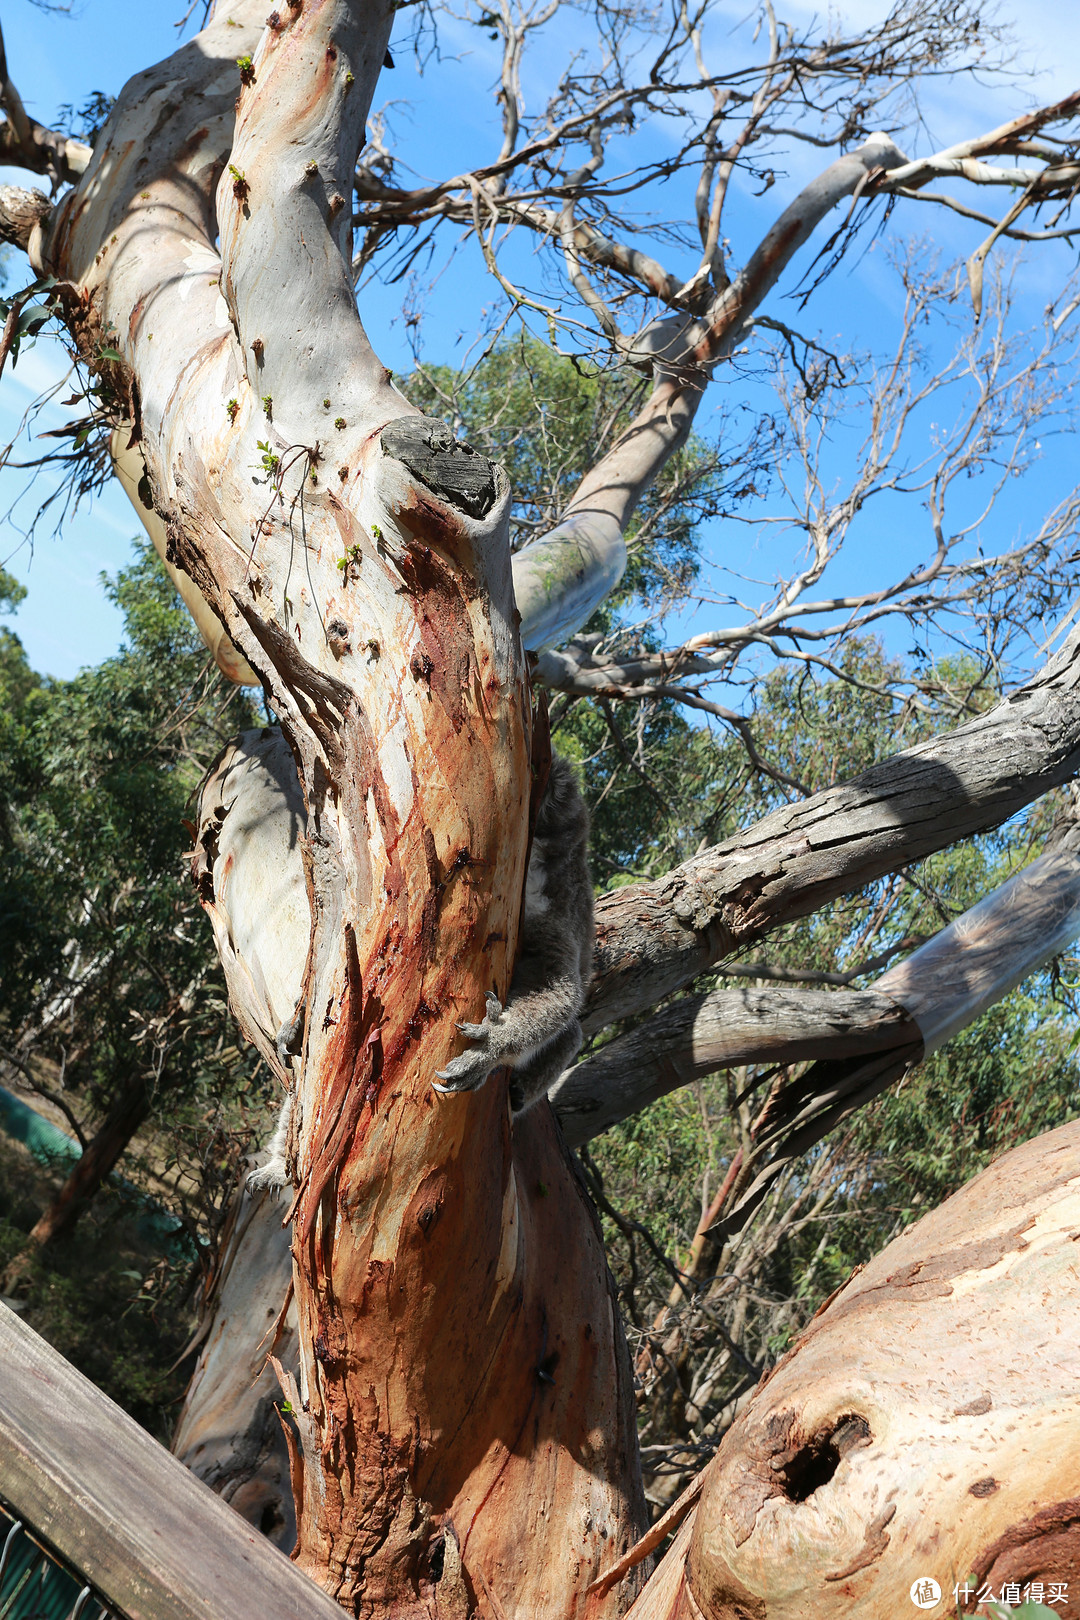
457, 472
444, 658
1045, 1547
877, 1539
430, 912
354, 1059
329, 701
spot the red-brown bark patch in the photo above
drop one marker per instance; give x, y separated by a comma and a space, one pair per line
1043, 1548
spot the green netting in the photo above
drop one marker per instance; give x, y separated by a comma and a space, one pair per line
34, 1586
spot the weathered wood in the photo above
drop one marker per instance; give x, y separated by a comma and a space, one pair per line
926, 1423
654, 937
701, 1034
131, 1518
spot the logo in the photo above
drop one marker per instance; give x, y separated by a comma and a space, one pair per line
925, 1592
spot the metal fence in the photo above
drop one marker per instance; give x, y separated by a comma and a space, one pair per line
36, 1584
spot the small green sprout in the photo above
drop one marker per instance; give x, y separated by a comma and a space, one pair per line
311, 168
241, 189
233, 408
326, 404
352, 559
268, 406
247, 69
287, 1408
339, 422
270, 462
376, 531
349, 79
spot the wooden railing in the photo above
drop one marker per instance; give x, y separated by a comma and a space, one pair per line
116, 1508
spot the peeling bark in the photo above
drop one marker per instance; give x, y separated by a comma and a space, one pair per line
230, 1431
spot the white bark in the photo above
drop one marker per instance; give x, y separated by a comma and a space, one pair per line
250, 873
130, 469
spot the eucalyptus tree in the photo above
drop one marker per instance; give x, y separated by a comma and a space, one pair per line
464, 1437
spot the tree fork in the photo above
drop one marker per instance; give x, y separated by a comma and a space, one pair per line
466, 1416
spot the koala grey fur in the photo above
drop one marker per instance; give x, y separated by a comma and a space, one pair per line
537, 1033
274, 1171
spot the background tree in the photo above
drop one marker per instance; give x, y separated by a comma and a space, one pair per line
112, 1006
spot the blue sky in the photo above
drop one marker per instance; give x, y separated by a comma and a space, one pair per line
66, 621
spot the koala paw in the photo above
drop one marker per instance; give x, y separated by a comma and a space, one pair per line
469, 1070
493, 1016
273, 1175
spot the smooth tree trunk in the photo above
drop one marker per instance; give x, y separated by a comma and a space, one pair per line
923, 1427
464, 1426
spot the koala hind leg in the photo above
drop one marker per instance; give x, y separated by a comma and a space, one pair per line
532, 1078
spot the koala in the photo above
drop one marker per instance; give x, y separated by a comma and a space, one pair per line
537, 1033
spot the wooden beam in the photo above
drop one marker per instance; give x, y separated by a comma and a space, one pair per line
149, 1536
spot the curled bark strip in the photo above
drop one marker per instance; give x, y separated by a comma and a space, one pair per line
654, 1537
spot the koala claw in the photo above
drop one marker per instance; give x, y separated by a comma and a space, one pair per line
493, 1015
465, 1073
469, 1070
